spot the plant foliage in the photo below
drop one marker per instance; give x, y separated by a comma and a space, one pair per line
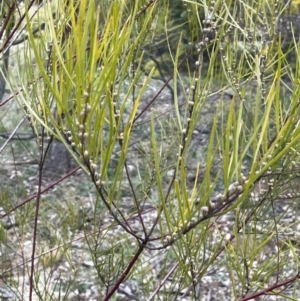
183, 118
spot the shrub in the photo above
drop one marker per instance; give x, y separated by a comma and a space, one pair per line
188, 182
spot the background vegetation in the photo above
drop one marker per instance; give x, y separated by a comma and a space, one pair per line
149, 150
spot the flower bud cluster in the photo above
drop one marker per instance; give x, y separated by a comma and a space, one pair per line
209, 30
145, 7
79, 140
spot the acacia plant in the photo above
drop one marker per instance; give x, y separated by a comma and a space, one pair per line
183, 120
